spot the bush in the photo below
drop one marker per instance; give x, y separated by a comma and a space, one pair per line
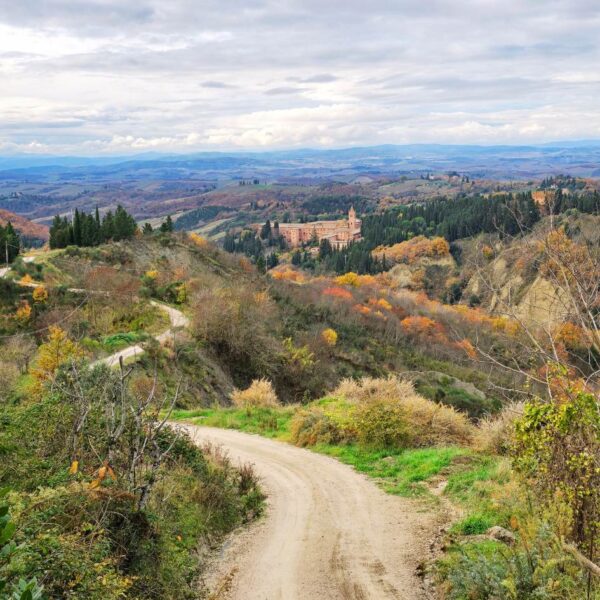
495, 435
259, 394
382, 424
390, 414
369, 388
313, 426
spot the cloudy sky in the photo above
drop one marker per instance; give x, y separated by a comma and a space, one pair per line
111, 76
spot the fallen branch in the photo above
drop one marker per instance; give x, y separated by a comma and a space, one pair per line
593, 568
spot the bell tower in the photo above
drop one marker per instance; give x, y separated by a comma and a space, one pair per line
352, 218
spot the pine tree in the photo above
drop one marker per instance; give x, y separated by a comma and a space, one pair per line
167, 225
77, 228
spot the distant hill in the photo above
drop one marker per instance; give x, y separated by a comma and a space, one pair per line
26, 228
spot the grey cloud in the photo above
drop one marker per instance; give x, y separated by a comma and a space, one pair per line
283, 91
217, 85
255, 70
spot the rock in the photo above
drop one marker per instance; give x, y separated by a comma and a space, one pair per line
501, 534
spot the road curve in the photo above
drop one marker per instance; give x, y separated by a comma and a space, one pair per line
177, 320
329, 532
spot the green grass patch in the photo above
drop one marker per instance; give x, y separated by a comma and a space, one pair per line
402, 472
269, 422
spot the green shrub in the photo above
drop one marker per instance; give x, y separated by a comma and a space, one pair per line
383, 424
388, 413
489, 570
312, 426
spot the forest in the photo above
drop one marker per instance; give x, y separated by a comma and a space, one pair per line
89, 230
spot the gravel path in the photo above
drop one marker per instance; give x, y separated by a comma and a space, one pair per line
329, 532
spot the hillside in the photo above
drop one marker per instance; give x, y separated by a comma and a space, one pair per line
417, 389
31, 232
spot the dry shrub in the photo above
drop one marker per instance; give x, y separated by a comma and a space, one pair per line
370, 388
495, 434
9, 373
260, 394
389, 413
313, 426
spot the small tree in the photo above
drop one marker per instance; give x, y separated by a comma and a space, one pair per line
58, 349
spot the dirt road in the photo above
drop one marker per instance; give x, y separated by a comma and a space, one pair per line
329, 532
177, 320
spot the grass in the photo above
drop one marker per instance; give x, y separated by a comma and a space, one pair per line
402, 472
268, 422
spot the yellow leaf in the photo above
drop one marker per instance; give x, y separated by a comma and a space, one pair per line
74, 467
102, 472
94, 484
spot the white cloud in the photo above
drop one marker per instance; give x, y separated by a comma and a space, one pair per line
100, 76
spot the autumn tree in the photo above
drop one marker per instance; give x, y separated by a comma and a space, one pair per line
329, 336
57, 350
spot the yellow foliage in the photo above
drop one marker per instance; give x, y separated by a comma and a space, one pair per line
349, 279
74, 467
26, 279
40, 294
181, 293
288, 275
57, 350
413, 249
199, 240
23, 313
329, 336
383, 303
152, 274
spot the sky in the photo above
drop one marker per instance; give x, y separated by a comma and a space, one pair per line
96, 77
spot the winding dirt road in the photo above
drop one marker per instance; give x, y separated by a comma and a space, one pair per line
329, 532
177, 320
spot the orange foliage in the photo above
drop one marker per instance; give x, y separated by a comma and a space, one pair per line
367, 280
423, 327
380, 303
338, 292
245, 264
488, 252
566, 261
26, 279
362, 309
288, 275
572, 336
466, 346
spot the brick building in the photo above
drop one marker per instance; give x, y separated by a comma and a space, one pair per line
339, 233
